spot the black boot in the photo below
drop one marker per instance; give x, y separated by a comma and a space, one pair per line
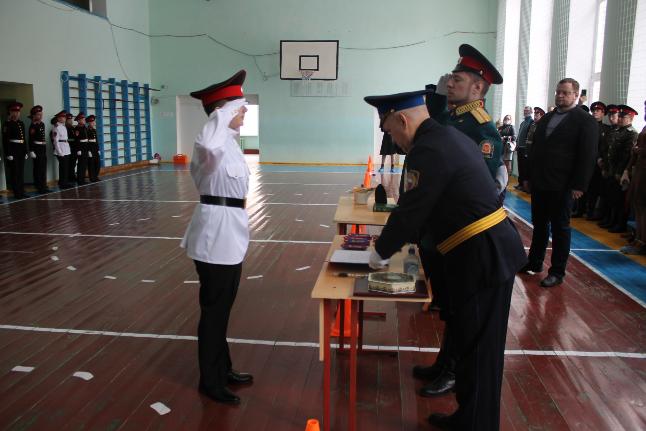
444, 383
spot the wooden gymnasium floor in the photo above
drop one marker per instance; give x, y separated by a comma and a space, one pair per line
93, 279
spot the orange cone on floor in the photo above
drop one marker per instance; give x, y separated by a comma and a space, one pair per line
371, 167
336, 328
312, 425
367, 180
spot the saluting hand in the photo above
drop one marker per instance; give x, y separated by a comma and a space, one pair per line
576, 194
442, 84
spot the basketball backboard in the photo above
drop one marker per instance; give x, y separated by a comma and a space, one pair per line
317, 58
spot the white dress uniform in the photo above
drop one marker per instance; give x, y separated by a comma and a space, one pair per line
219, 234
61, 146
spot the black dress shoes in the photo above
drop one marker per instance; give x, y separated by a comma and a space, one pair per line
236, 378
551, 281
221, 395
529, 267
441, 421
427, 373
444, 383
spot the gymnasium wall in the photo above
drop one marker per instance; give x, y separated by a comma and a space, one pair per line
42, 38
309, 129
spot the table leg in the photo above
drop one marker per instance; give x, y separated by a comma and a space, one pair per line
360, 347
352, 409
327, 364
341, 337
343, 228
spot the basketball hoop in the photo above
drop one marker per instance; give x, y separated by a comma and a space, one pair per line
306, 75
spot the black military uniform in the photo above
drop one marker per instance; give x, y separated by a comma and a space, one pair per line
15, 152
447, 189
81, 136
605, 197
619, 152
74, 148
38, 147
473, 120
94, 157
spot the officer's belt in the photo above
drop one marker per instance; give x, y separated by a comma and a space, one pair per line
82, 140
222, 201
39, 142
62, 140
472, 230
17, 141
91, 140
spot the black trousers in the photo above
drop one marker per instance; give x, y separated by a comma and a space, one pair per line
81, 167
218, 289
16, 172
594, 191
94, 163
551, 212
478, 332
40, 167
523, 165
71, 173
617, 203
63, 171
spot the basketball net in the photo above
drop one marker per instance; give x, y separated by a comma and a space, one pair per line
306, 75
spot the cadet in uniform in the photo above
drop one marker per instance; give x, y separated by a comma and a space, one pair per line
80, 134
589, 199
71, 140
605, 212
94, 158
218, 235
636, 174
451, 204
38, 148
619, 153
59, 138
15, 150
464, 89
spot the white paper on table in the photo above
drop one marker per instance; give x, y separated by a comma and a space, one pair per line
160, 408
21, 369
83, 375
351, 256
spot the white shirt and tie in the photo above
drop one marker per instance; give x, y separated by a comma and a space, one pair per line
61, 146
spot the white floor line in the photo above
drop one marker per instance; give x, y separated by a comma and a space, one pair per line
75, 187
587, 265
510, 352
180, 201
174, 238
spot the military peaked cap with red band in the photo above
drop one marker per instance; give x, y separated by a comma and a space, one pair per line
612, 109
90, 118
63, 113
232, 87
15, 106
599, 105
537, 110
471, 60
626, 110
79, 116
36, 109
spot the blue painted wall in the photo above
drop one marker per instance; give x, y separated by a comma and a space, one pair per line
303, 129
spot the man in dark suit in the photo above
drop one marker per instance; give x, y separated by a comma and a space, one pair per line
451, 205
563, 155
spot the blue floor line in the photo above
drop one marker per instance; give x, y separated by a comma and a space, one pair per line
322, 169
623, 271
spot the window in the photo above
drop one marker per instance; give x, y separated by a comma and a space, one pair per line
96, 7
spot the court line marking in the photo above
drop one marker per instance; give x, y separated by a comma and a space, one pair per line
174, 238
180, 201
75, 187
509, 352
587, 265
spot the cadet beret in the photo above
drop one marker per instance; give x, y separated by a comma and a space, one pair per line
471, 60
537, 110
15, 106
599, 105
90, 118
79, 116
231, 87
36, 109
626, 110
397, 102
612, 109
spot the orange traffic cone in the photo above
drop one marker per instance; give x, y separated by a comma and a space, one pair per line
312, 425
367, 180
336, 328
371, 167
362, 228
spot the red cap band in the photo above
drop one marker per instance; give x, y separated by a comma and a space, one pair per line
223, 93
472, 63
